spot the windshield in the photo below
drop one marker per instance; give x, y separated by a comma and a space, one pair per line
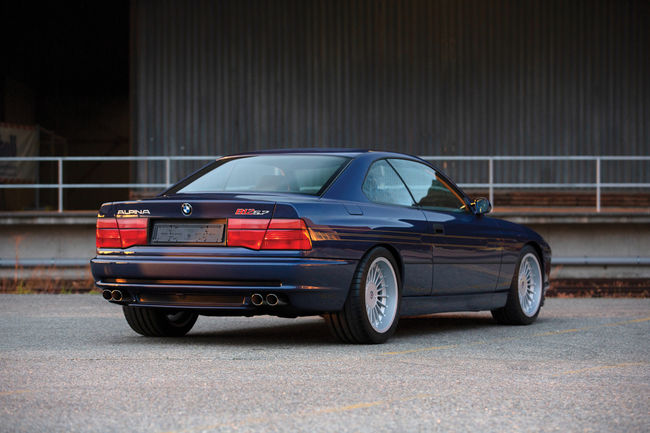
301, 174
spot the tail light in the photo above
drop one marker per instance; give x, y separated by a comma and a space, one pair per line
121, 232
265, 234
108, 235
287, 234
247, 233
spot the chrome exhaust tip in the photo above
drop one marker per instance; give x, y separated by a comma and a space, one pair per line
106, 294
257, 299
272, 299
116, 295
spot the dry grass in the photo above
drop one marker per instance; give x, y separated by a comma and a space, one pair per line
600, 288
43, 279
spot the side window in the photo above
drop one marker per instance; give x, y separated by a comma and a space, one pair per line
383, 185
429, 190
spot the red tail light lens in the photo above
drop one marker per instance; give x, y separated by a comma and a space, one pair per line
133, 231
121, 232
248, 233
275, 234
288, 224
287, 234
107, 234
132, 223
247, 224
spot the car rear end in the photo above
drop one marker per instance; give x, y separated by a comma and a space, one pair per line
217, 253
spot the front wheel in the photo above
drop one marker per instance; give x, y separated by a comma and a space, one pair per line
155, 322
371, 312
526, 291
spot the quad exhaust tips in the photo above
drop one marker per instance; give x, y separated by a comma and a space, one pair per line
271, 300
114, 295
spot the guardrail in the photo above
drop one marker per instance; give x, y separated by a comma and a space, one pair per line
60, 185
598, 185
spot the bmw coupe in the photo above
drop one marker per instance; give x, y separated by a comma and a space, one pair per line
358, 237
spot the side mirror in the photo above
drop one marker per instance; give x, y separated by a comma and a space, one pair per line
482, 206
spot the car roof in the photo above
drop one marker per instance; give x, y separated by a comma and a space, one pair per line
327, 150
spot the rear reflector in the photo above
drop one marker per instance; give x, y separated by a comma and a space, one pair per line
275, 234
121, 232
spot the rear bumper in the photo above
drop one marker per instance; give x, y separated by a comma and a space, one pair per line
224, 285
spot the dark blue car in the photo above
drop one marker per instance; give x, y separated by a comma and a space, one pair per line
359, 237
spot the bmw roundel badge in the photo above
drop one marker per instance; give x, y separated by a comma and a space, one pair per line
186, 208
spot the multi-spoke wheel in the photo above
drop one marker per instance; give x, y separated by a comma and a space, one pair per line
371, 311
154, 322
526, 291
530, 284
381, 294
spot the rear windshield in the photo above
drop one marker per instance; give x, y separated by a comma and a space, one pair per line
301, 174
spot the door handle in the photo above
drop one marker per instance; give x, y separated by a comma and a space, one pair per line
439, 229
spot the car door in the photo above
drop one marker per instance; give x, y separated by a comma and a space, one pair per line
466, 246
393, 219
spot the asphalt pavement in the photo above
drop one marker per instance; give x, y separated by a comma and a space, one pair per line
71, 363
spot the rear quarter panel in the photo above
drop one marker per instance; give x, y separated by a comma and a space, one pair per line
348, 230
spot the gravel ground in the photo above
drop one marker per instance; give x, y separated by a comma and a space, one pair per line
71, 363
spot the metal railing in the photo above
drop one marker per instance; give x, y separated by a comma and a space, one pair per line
597, 184
60, 185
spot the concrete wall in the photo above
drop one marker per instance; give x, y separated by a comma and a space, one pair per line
68, 239
594, 236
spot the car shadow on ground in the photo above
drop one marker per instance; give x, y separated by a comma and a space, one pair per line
316, 332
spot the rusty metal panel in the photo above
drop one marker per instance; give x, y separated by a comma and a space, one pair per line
427, 77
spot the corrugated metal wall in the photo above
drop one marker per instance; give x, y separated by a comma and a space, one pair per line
453, 77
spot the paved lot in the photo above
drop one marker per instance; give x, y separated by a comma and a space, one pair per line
70, 363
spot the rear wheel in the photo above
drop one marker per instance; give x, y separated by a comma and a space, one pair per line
153, 322
371, 312
526, 291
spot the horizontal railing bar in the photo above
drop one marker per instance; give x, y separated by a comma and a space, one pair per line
535, 158
560, 185
105, 158
425, 157
462, 185
83, 185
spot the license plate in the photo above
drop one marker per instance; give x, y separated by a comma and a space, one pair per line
187, 233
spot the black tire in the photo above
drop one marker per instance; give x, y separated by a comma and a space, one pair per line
352, 325
154, 322
512, 313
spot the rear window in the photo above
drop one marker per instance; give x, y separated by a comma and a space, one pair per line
300, 174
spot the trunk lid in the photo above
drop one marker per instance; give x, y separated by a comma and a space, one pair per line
191, 208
